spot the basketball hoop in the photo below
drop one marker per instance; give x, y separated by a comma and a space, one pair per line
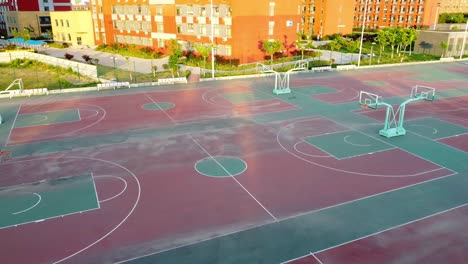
365, 106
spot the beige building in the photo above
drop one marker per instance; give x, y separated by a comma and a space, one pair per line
73, 27
429, 42
37, 22
453, 6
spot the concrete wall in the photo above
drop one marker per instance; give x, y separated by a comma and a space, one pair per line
428, 42
78, 67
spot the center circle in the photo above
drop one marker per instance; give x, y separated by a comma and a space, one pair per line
221, 166
158, 106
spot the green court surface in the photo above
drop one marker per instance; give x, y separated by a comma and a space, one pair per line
47, 118
434, 128
246, 97
31, 202
429, 75
315, 89
376, 83
347, 144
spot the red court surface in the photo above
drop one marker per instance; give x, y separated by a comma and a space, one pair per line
143, 150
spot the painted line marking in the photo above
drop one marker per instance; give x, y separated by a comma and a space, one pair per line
313, 255
160, 108
345, 139
117, 195
222, 167
95, 190
12, 126
31, 207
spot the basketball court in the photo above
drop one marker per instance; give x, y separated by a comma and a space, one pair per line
232, 172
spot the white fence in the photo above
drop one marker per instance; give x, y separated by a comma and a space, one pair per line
78, 67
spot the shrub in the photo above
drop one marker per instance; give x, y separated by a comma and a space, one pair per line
65, 45
69, 56
86, 58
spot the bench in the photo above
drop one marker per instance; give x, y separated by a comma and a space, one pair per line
346, 67
112, 85
322, 68
34, 91
172, 80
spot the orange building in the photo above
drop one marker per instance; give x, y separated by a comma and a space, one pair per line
327, 17
238, 26
392, 13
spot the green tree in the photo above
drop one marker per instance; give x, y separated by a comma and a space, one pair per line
176, 53
444, 47
334, 45
383, 41
204, 51
303, 43
271, 47
25, 34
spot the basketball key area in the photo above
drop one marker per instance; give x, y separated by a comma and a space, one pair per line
228, 172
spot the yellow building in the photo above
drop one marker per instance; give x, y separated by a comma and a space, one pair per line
73, 27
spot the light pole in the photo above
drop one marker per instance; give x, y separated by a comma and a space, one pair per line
436, 16
464, 41
371, 52
362, 32
116, 77
212, 41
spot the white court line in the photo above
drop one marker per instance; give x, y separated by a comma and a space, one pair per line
437, 141
117, 195
391, 228
376, 138
345, 139
347, 171
414, 125
12, 126
121, 222
307, 154
291, 260
462, 134
280, 220
95, 191
40, 120
313, 255
222, 167
164, 111
31, 207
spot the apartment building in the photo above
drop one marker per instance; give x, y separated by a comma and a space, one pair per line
392, 13
235, 27
73, 27
327, 17
28, 6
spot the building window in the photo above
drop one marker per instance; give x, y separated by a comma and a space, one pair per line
178, 29
159, 27
61, 22
69, 37
159, 10
56, 22
78, 41
202, 29
68, 24
216, 30
190, 27
46, 8
161, 43
202, 11
228, 31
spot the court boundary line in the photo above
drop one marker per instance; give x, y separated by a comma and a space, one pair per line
233, 177
313, 255
284, 219
95, 190
12, 126
307, 154
220, 156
